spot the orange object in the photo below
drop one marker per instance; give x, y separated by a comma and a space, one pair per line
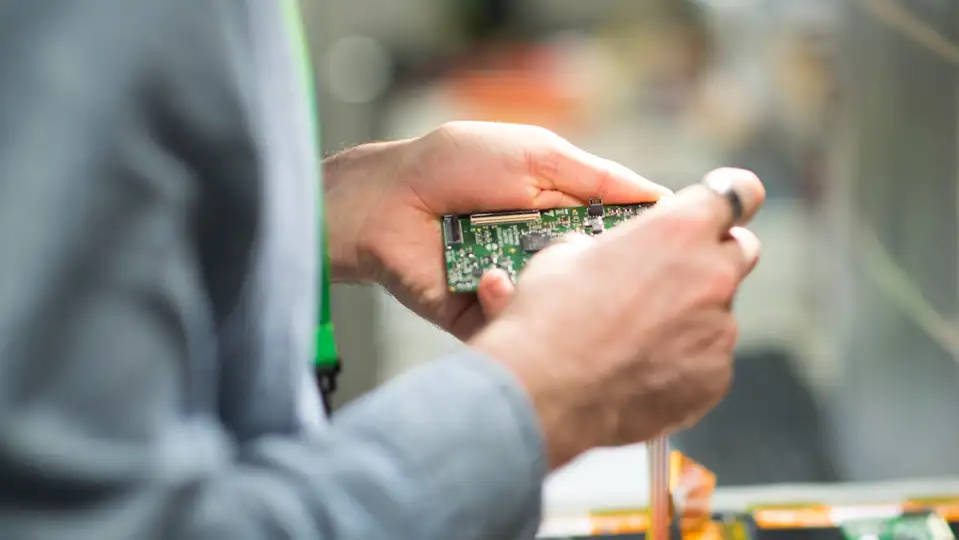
793, 517
691, 486
620, 523
800, 516
517, 85
948, 509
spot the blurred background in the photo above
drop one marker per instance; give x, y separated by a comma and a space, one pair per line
848, 367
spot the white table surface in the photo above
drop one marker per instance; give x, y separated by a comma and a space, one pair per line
617, 479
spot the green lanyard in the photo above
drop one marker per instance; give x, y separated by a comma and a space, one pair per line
326, 353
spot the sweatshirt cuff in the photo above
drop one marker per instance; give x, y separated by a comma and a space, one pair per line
469, 431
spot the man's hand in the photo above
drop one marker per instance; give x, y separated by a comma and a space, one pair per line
629, 335
384, 202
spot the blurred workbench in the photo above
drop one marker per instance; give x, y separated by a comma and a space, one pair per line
616, 479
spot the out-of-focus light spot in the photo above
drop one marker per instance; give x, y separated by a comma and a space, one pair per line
725, 5
357, 69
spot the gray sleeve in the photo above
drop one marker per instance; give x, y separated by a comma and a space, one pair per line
102, 302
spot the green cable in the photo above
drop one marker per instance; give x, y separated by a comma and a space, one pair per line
326, 350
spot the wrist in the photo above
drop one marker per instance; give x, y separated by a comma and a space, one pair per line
355, 182
570, 420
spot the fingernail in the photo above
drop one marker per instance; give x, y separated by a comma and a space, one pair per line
744, 184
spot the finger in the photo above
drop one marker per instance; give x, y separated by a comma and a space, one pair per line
468, 317
574, 171
495, 292
725, 198
496, 289
574, 240
743, 247
561, 250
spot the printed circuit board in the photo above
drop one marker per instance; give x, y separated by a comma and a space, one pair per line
475, 243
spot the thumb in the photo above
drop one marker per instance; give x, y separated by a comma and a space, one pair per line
496, 289
574, 171
495, 292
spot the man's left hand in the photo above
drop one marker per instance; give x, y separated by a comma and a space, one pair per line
384, 202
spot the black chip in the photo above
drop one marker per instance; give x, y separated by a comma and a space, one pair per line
595, 209
477, 272
534, 241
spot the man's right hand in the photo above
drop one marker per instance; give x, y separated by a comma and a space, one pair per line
629, 335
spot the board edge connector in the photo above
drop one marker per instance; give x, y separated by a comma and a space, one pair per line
505, 218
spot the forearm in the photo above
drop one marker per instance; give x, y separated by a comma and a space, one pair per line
470, 449
355, 181
417, 459
571, 423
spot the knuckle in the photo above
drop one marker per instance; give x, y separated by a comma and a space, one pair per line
433, 296
716, 384
604, 177
720, 383
541, 132
725, 345
449, 128
724, 380
730, 334
544, 160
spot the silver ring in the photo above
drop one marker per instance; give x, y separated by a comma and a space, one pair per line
726, 191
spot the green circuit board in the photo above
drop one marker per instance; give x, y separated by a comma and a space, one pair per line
908, 526
475, 243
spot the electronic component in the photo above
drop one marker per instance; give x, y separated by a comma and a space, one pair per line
452, 231
596, 225
504, 218
595, 209
478, 242
534, 241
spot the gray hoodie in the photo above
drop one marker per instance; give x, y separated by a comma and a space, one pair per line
158, 274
